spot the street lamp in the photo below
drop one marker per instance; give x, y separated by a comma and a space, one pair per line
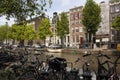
6, 32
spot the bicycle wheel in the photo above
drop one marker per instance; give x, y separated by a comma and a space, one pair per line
27, 76
86, 72
72, 75
11, 76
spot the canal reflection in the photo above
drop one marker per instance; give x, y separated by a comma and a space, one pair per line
71, 57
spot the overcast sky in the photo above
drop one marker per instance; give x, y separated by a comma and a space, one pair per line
57, 6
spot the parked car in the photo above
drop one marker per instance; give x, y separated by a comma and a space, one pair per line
15, 46
85, 45
55, 46
29, 47
43, 46
36, 46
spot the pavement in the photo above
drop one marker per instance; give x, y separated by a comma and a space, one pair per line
81, 72
96, 50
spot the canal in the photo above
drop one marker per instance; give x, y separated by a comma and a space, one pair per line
71, 57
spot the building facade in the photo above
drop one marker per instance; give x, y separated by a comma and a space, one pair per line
77, 33
114, 12
35, 21
103, 33
55, 39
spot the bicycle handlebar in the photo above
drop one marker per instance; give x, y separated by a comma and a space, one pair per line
48, 57
77, 60
106, 56
86, 55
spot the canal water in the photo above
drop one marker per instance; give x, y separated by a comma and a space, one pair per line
72, 57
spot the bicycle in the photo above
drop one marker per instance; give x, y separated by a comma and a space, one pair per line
36, 70
102, 70
57, 68
103, 66
113, 70
73, 74
17, 68
87, 72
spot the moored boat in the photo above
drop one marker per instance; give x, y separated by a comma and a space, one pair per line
54, 48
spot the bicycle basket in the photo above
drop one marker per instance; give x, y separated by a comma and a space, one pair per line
58, 64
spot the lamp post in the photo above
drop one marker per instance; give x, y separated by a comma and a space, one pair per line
6, 32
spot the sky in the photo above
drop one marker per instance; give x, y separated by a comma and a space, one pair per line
57, 6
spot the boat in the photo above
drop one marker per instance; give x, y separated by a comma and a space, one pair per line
55, 48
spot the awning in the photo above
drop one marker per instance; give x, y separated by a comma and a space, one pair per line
97, 40
105, 39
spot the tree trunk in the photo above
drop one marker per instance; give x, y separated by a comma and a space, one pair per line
21, 43
13, 42
30, 42
90, 40
62, 43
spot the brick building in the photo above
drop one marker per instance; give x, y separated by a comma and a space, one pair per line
113, 12
77, 33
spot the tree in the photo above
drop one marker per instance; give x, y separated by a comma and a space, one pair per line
116, 23
44, 29
13, 32
62, 27
23, 9
17, 32
114, 1
4, 30
30, 34
91, 17
21, 33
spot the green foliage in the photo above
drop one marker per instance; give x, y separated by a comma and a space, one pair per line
4, 30
22, 9
22, 32
30, 32
116, 23
17, 32
91, 16
13, 31
114, 1
62, 27
44, 29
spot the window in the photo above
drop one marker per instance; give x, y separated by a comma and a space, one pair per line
118, 36
77, 30
112, 9
117, 8
72, 16
81, 29
72, 23
73, 38
72, 30
77, 22
113, 16
68, 39
77, 38
80, 21
76, 15
118, 14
